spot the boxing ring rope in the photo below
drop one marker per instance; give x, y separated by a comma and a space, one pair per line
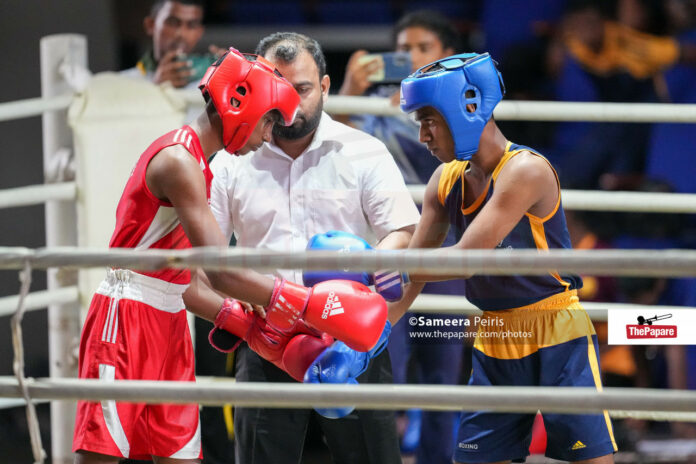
643, 263
507, 110
39, 300
500, 262
38, 194
578, 200
210, 392
33, 107
60, 197
572, 400
614, 201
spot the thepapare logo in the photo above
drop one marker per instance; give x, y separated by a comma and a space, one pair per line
332, 307
645, 328
473, 446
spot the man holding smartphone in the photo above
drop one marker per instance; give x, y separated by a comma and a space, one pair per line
176, 27
426, 36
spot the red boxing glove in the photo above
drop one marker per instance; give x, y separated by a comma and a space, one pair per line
344, 309
292, 352
301, 351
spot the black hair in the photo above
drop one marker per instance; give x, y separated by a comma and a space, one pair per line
158, 4
286, 47
432, 21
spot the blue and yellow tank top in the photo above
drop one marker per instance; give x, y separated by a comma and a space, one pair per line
543, 233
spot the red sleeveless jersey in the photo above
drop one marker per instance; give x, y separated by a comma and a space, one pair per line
143, 221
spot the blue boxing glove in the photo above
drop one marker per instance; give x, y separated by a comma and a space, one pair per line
337, 241
387, 283
340, 364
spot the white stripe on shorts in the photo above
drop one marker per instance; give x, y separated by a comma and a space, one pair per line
113, 423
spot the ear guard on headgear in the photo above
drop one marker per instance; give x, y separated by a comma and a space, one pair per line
444, 85
243, 88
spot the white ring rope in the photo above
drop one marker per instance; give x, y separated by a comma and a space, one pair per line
18, 366
625, 202
33, 107
7, 403
582, 200
510, 110
660, 416
647, 263
40, 299
38, 194
571, 400
525, 110
57, 388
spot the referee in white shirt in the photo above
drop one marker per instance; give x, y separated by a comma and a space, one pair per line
316, 175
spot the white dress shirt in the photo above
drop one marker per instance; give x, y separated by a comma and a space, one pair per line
345, 180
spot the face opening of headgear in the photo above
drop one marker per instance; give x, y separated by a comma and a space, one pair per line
449, 85
243, 88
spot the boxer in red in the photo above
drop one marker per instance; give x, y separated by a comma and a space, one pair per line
136, 327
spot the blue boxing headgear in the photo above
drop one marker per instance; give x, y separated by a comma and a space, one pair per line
443, 85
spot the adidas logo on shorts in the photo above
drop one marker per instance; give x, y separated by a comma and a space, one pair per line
578, 445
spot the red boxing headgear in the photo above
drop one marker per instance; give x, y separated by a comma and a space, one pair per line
243, 88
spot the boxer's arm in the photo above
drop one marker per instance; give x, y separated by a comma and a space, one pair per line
173, 175
200, 298
390, 282
431, 231
397, 239
527, 184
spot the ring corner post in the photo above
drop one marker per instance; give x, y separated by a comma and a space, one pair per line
61, 230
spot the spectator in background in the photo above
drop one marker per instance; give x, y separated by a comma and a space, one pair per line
517, 35
609, 60
427, 36
666, 155
176, 27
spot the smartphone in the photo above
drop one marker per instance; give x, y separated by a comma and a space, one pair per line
199, 64
396, 66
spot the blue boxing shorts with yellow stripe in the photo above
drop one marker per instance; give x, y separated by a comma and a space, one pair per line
548, 343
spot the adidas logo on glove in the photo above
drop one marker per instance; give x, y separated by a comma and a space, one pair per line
332, 307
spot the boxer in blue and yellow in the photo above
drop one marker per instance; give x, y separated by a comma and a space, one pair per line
498, 194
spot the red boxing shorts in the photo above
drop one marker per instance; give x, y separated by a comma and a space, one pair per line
136, 329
